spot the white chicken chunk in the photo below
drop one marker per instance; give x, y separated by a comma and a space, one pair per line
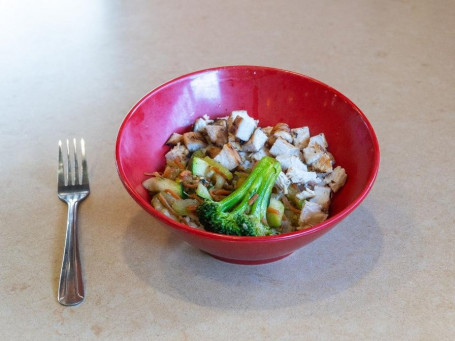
318, 139
311, 215
245, 162
291, 161
284, 135
259, 154
312, 153
299, 176
323, 164
179, 151
282, 147
241, 125
174, 139
280, 130
322, 197
194, 141
283, 182
336, 179
256, 141
217, 134
235, 113
301, 137
234, 144
305, 194
201, 123
228, 157
267, 130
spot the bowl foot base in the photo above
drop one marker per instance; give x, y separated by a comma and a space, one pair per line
249, 262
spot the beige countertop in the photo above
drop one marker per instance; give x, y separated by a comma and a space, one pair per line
74, 69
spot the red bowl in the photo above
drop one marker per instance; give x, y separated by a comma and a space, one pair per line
270, 95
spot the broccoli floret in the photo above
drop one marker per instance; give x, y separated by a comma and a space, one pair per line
243, 212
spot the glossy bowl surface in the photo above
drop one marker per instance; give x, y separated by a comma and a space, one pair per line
270, 95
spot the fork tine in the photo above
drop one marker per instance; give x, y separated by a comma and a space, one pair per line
61, 175
84, 164
76, 165
70, 175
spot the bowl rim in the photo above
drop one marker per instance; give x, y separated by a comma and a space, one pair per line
330, 222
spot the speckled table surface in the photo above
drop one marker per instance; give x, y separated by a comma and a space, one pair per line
75, 69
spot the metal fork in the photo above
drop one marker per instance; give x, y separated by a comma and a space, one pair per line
73, 187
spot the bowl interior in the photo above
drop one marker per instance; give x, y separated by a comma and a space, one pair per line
268, 94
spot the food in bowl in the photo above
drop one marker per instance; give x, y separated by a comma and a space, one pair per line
231, 176
270, 95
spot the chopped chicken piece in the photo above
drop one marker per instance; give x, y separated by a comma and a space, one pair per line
242, 125
235, 113
301, 137
323, 164
259, 154
241, 113
212, 151
256, 141
232, 139
228, 157
291, 161
174, 139
281, 126
201, 123
283, 182
243, 155
305, 194
267, 130
194, 141
318, 139
221, 122
246, 164
322, 197
298, 176
179, 151
217, 134
282, 130
271, 140
332, 158
312, 153
282, 147
283, 135
336, 179
311, 215
236, 145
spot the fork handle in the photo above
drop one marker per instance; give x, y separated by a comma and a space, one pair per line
71, 286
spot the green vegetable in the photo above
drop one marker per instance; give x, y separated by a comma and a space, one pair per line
199, 153
293, 190
160, 184
275, 213
202, 191
199, 167
241, 176
182, 207
238, 214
